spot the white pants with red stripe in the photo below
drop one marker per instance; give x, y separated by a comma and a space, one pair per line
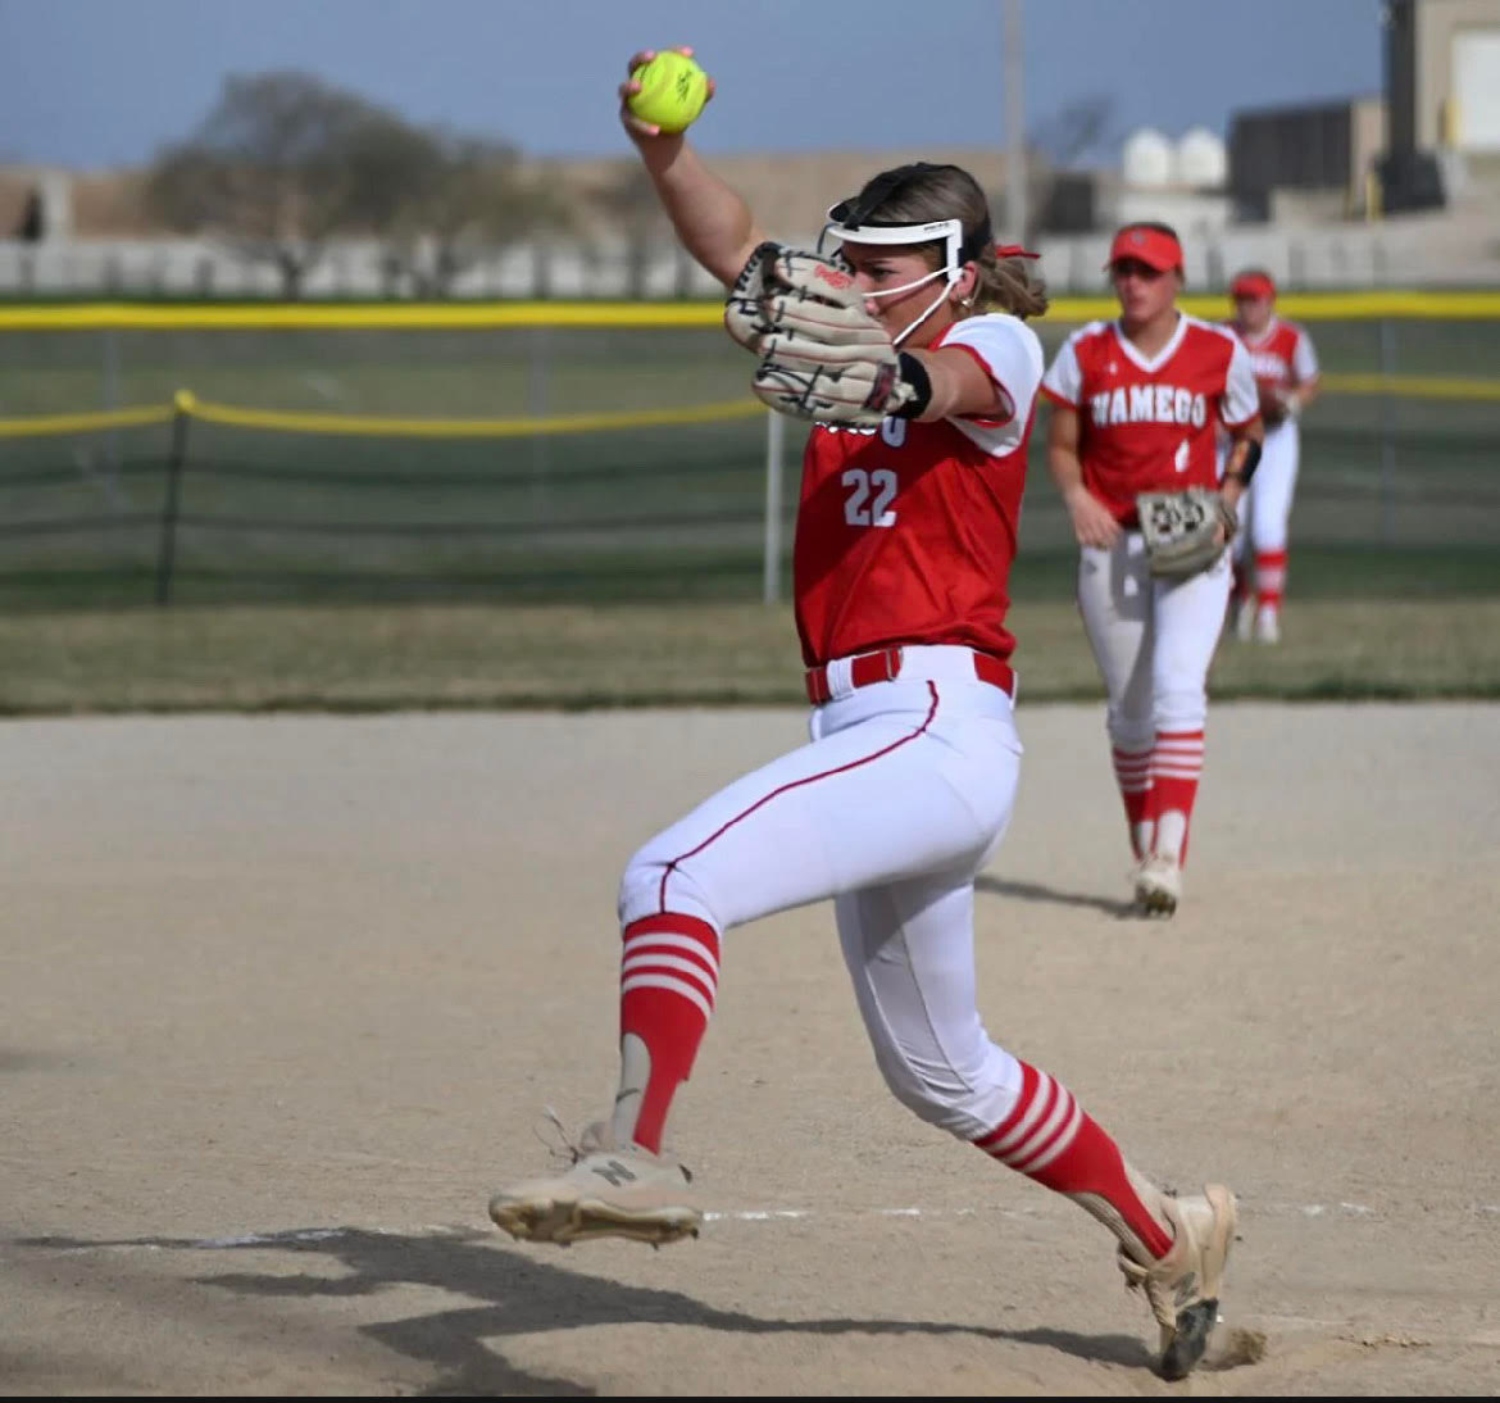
1152, 639
902, 796
1266, 508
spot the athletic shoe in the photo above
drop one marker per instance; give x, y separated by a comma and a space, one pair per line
1158, 885
1267, 627
606, 1192
1183, 1287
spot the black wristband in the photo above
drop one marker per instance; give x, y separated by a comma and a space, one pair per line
914, 373
1252, 458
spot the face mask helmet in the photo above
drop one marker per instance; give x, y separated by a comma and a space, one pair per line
856, 220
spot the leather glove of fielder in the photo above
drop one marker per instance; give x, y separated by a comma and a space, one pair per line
1185, 532
822, 356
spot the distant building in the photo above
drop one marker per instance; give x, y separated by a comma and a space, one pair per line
1432, 139
1305, 164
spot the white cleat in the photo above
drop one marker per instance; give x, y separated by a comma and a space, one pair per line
1158, 885
606, 1192
1183, 1287
1267, 627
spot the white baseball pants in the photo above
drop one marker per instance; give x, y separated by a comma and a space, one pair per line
1152, 639
1266, 507
902, 795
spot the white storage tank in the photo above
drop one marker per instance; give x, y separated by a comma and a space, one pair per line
1148, 158
1202, 160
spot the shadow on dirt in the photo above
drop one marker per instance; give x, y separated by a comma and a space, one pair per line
1036, 891
518, 1295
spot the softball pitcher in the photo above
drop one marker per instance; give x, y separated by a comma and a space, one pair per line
1286, 371
910, 353
1138, 404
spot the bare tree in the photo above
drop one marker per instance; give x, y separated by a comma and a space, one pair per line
1077, 130
630, 202
285, 163
271, 170
468, 197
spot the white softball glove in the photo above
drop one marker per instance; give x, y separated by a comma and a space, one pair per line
822, 356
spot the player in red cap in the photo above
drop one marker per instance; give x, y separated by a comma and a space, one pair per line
1137, 406
1286, 370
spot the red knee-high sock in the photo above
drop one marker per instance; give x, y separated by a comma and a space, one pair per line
1049, 1137
1270, 578
1176, 765
669, 979
1133, 775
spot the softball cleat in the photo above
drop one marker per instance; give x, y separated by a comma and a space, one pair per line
606, 1192
1158, 885
1183, 1287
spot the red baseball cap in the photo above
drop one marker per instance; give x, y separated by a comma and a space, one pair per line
1152, 247
1254, 284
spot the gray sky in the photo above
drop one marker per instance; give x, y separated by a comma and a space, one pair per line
93, 84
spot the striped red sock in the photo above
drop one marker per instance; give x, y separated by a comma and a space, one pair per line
1176, 766
669, 979
1133, 775
1270, 578
1049, 1137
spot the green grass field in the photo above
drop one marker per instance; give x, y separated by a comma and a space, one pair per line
368, 657
345, 570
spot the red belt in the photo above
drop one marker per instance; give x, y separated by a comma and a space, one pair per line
885, 666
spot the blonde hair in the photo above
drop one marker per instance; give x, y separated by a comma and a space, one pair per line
924, 194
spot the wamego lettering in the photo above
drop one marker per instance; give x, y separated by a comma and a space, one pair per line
1148, 404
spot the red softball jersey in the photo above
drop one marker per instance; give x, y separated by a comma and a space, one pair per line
906, 533
1151, 424
1282, 356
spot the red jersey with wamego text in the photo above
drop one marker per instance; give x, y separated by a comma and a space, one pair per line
906, 533
1282, 356
1151, 424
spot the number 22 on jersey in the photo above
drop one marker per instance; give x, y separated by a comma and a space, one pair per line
870, 496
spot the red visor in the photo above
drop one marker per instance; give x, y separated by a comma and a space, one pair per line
1149, 246
1252, 285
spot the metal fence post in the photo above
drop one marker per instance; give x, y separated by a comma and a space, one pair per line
775, 445
177, 460
538, 405
112, 400
1387, 433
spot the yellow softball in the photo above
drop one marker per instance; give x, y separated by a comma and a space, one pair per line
673, 91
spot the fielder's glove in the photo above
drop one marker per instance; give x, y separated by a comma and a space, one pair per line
1185, 531
822, 356
1277, 406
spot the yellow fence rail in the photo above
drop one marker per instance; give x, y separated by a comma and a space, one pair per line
188, 406
128, 316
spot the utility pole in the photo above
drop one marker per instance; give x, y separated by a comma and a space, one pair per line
1016, 214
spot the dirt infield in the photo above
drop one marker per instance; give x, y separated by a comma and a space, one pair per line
285, 997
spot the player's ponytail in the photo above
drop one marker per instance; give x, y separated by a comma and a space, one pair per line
1011, 284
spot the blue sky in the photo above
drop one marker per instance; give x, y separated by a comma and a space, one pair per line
94, 84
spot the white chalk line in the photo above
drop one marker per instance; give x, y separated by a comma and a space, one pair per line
292, 1237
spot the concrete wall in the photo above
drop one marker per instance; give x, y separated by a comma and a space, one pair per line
1413, 250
